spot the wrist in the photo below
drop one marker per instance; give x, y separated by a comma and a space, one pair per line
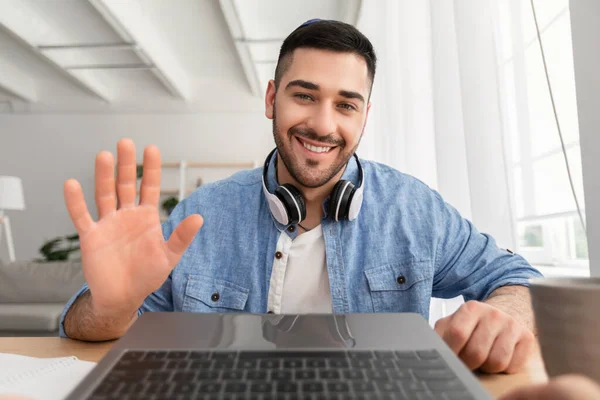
117, 312
516, 307
87, 320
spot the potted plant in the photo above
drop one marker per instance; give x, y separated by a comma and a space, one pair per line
169, 205
60, 248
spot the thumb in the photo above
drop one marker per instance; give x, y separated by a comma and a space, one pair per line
182, 237
440, 326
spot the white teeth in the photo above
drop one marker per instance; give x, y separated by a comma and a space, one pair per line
316, 149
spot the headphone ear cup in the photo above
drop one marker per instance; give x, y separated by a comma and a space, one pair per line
293, 201
340, 200
299, 200
334, 199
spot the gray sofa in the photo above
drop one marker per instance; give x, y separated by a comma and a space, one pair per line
33, 294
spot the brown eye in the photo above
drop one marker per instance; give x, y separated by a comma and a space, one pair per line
347, 106
303, 96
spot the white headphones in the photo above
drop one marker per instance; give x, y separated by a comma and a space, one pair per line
288, 206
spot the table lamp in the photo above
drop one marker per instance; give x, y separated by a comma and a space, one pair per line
11, 198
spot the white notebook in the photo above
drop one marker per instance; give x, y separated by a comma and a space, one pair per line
41, 378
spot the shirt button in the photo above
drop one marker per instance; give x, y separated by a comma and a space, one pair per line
278, 255
401, 280
291, 228
215, 297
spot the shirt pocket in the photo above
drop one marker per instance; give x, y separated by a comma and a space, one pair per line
402, 287
206, 294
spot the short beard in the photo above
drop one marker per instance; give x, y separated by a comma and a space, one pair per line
303, 173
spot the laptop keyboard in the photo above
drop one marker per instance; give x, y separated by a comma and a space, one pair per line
302, 375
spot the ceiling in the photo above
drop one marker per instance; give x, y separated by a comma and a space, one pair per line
147, 55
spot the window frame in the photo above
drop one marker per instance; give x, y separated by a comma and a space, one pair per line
546, 255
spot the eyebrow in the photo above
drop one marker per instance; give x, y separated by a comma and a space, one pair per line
303, 84
313, 86
351, 95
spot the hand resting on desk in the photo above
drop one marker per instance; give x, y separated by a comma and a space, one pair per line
486, 338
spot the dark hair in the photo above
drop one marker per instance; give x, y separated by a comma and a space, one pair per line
326, 35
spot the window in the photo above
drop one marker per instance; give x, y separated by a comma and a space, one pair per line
548, 227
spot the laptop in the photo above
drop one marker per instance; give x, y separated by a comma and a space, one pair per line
268, 356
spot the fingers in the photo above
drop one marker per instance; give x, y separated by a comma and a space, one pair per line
477, 350
106, 198
485, 337
521, 353
126, 173
76, 206
441, 324
150, 188
457, 329
503, 349
182, 237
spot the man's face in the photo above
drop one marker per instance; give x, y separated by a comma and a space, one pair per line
319, 112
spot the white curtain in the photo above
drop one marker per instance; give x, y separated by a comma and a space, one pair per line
437, 111
401, 128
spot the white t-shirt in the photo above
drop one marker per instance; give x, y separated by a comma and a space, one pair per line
299, 280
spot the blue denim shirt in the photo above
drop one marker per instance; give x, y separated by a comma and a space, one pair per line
404, 229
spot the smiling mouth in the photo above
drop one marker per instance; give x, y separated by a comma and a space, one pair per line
316, 149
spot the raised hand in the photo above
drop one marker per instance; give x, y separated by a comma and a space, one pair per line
124, 254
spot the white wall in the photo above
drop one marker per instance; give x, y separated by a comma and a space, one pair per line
585, 32
45, 150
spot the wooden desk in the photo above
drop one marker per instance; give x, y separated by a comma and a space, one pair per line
497, 384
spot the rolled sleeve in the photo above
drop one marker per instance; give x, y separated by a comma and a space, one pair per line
469, 263
61, 325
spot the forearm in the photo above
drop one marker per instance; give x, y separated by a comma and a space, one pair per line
83, 322
515, 301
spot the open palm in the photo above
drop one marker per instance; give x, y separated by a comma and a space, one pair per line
124, 255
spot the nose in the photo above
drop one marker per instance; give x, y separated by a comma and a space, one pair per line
322, 120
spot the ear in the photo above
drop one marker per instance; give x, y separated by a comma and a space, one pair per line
270, 99
366, 119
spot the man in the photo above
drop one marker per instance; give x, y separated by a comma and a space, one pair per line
316, 230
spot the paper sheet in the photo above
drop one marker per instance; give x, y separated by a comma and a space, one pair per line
41, 378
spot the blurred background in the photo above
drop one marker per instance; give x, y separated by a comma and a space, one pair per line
460, 100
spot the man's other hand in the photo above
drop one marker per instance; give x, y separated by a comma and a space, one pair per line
487, 338
566, 387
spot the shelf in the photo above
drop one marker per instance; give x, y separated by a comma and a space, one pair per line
170, 165
176, 191
183, 168
208, 165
